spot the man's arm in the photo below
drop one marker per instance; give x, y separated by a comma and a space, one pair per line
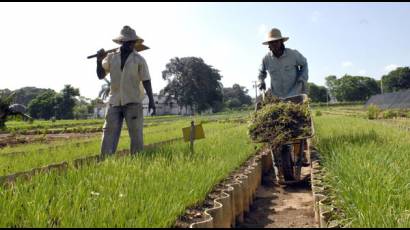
302, 72
148, 89
101, 54
262, 75
303, 67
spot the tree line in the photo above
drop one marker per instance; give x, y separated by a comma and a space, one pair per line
350, 88
193, 83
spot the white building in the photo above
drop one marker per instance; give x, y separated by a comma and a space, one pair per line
162, 108
165, 108
99, 110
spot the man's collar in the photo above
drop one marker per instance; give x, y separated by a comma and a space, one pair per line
285, 53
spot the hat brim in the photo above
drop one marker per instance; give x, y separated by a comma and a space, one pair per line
138, 44
140, 47
275, 39
120, 40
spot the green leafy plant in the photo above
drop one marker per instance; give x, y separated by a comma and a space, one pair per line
373, 112
367, 166
151, 190
388, 114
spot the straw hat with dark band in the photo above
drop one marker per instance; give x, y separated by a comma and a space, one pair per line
128, 34
274, 35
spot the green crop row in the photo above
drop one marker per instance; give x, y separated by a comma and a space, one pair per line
63, 126
150, 190
37, 155
368, 167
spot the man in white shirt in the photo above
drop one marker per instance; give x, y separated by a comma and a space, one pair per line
288, 70
129, 77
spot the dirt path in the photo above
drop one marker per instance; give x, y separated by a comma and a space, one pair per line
281, 206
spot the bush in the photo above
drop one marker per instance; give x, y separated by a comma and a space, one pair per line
388, 114
402, 113
318, 113
373, 112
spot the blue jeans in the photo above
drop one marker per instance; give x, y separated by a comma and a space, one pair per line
133, 114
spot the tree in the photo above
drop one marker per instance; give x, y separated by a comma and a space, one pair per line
331, 84
26, 94
42, 107
317, 93
5, 102
236, 96
5, 93
396, 80
66, 102
352, 88
83, 107
193, 83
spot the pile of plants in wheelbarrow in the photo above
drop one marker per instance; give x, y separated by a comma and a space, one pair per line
277, 121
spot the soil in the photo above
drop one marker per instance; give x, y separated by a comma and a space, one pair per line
282, 206
192, 215
13, 140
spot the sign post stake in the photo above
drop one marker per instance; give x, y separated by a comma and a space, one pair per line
192, 136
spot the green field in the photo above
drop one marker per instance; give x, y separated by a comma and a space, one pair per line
366, 161
369, 168
151, 190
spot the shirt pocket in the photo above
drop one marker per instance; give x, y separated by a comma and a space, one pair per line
290, 70
274, 72
133, 73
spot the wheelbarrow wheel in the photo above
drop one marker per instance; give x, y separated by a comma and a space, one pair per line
287, 163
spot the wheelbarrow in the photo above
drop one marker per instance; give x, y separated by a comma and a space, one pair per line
291, 156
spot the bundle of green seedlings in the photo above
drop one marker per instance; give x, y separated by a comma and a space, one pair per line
277, 121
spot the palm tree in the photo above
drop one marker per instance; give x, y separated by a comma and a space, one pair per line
105, 89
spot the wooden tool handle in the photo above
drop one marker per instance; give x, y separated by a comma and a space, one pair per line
107, 51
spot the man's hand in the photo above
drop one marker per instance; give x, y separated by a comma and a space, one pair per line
101, 54
262, 85
151, 105
302, 84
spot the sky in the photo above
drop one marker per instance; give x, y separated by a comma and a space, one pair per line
46, 44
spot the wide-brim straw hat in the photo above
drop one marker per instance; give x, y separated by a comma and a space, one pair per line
128, 34
274, 35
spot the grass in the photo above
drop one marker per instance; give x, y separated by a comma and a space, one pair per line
46, 126
37, 155
369, 168
151, 190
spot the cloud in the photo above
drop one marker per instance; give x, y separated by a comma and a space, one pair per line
390, 67
314, 17
363, 21
347, 63
362, 72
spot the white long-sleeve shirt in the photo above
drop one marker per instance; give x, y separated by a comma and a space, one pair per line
289, 73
